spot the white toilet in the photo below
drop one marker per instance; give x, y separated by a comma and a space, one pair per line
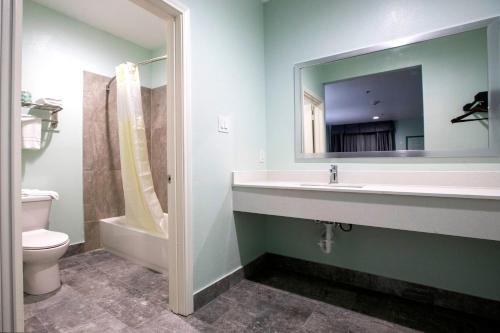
41, 248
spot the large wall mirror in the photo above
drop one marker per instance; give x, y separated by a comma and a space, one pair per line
433, 95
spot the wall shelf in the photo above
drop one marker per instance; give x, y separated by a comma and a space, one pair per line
52, 109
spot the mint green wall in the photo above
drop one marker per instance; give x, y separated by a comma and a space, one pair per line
313, 79
454, 69
227, 79
296, 32
158, 69
407, 127
451, 263
56, 51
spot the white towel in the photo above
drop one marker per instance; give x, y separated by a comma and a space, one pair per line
39, 193
49, 101
31, 131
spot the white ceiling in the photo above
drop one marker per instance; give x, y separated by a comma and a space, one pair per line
392, 95
121, 18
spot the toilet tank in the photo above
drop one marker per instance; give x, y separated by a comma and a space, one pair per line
35, 212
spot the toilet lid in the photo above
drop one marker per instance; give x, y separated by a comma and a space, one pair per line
43, 239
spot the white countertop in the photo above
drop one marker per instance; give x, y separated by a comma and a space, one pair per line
307, 183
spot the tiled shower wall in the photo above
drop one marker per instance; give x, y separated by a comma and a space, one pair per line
102, 188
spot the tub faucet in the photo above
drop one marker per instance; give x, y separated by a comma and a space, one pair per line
334, 175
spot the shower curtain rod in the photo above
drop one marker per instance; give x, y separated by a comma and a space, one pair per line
145, 62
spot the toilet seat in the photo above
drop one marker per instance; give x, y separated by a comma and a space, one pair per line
43, 239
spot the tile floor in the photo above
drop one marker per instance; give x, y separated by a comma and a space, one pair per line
104, 293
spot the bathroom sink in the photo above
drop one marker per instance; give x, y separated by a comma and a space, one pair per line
333, 185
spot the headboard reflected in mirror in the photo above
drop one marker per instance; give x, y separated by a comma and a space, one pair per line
435, 95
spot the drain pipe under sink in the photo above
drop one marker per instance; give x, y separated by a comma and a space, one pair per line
326, 242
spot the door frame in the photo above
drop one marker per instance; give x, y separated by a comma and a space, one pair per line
180, 249
11, 251
177, 17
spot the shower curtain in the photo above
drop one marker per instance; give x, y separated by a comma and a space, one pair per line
142, 207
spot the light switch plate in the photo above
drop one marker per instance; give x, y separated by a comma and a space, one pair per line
223, 124
262, 156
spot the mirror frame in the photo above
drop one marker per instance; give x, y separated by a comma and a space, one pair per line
493, 41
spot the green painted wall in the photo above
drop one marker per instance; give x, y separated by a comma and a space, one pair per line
227, 40
313, 79
331, 27
56, 51
452, 263
407, 127
158, 69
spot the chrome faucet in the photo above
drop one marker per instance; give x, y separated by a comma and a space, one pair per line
334, 174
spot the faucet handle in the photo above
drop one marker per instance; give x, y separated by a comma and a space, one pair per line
333, 167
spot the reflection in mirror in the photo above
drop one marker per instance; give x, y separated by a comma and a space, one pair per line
428, 96
375, 112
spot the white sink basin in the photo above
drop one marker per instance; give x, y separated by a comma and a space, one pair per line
333, 185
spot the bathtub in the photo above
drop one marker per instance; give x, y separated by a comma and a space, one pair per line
137, 245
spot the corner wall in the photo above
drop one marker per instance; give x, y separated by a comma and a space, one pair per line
296, 32
227, 79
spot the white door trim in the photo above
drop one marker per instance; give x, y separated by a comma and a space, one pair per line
180, 263
11, 252
179, 165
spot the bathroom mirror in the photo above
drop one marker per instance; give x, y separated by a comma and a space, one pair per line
434, 94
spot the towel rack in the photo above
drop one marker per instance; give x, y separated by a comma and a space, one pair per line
52, 109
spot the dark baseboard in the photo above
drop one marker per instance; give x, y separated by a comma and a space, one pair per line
415, 292
204, 296
74, 249
411, 291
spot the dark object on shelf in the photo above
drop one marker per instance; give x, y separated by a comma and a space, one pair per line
480, 105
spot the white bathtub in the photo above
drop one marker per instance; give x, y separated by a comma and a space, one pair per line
134, 244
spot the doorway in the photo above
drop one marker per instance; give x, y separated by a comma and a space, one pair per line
176, 19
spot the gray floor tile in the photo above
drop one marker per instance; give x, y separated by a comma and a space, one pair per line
167, 322
33, 324
104, 293
279, 319
102, 323
130, 308
214, 310
99, 256
240, 315
224, 326
199, 325
34, 304
68, 314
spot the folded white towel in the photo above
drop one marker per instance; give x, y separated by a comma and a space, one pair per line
39, 193
31, 131
49, 101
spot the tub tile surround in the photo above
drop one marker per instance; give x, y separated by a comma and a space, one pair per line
103, 191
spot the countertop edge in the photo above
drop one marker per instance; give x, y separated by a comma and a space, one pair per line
437, 194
